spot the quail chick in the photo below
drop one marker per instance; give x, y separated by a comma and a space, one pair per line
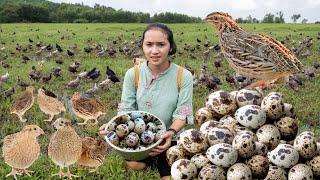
23, 103
65, 147
93, 152
49, 105
21, 149
87, 108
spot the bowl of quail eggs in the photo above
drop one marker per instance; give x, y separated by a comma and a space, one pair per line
133, 134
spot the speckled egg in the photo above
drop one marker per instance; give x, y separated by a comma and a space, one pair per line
269, 135
200, 160
202, 115
183, 169
122, 130
244, 144
130, 125
300, 172
233, 95
151, 126
314, 164
193, 141
212, 172
259, 166
289, 110
132, 139
239, 171
207, 126
276, 173
221, 102
112, 126
251, 116
159, 134
273, 105
147, 137
222, 154
261, 149
139, 125
288, 128
248, 97
306, 144
175, 153
284, 155
134, 115
219, 135
122, 119
228, 120
113, 138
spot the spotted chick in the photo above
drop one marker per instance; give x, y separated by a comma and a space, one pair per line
93, 152
23, 103
87, 108
49, 105
65, 147
21, 149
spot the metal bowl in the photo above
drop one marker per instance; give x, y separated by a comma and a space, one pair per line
135, 155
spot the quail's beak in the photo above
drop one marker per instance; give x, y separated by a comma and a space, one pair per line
208, 20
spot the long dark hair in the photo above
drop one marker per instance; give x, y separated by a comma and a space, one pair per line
165, 29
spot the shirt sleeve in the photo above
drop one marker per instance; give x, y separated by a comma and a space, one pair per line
184, 107
128, 96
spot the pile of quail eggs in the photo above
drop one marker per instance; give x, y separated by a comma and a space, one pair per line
134, 130
245, 135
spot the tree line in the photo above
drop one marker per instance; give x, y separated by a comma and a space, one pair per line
48, 12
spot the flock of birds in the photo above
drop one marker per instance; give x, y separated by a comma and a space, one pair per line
88, 151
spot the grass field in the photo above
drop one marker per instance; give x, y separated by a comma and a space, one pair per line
306, 100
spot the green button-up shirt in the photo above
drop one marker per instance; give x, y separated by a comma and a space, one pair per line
159, 95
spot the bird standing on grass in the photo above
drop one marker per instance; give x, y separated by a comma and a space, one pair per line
254, 55
21, 149
23, 103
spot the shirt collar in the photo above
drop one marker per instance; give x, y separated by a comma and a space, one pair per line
160, 74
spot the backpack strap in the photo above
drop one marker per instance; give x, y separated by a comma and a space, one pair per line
136, 77
179, 78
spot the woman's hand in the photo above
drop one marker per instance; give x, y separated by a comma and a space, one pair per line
164, 145
102, 130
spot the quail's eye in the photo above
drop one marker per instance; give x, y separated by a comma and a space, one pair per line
61, 121
215, 18
34, 128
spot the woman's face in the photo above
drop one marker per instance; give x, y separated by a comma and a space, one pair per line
156, 47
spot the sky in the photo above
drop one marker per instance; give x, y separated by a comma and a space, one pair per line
309, 9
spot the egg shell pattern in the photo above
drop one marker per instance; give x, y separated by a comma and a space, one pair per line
193, 141
220, 135
259, 166
269, 135
183, 169
276, 173
248, 97
288, 128
221, 102
289, 110
244, 144
203, 115
132, 139
175, 153
212, 172
273, 104
306, 144
300, 171
251, 116
314, 164
239, 171
147, 137
139, 126
200, 160
261, 149
113, 138
284, 155
122, 130
222, 154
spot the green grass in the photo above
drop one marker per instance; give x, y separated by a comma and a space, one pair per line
306, 100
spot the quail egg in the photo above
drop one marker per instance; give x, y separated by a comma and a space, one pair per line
112, 126
200, 160
183, 169
248, 97
193, 141
289, 110
244, 144
130, 125
175, 153
314, 164
261, 149
139, 125
207, 126
259, 166
151, 126
147, 137
228, 120
276, 173
251, 116
301, 172
288, 128
306, 144
132, 139
219, 135
159, 135
269, 135
273, 104
222, 154
221, 102
134, 115
213, 172
284, 155
239, 171
122, 130
202, 115
122, 119
113, 138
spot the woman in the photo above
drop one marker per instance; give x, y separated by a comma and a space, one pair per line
158, 93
